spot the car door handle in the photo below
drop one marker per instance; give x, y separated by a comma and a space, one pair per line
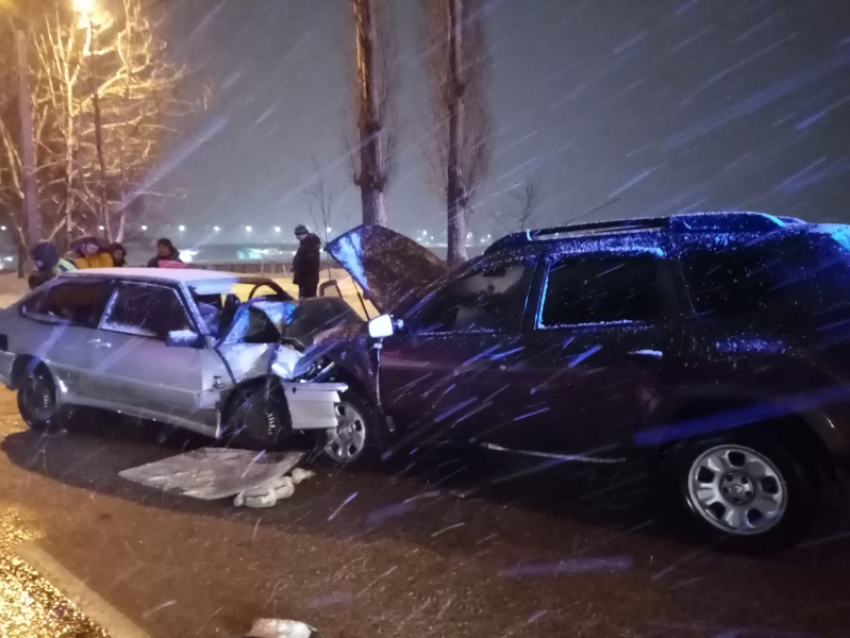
99, 343
646, 354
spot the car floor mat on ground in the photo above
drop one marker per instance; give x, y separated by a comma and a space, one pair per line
213, 473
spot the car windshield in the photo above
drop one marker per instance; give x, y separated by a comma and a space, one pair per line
424, 318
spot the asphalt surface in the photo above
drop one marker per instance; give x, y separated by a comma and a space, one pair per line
447, 545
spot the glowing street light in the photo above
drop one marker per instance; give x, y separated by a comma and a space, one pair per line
216, 229
248, 229
277, 229
101, 228
84, 6
329, 229
181, 228
144, 228
3, 228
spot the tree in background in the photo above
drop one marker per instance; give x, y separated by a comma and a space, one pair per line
374, 151
459, 69
320, 199
105, 101
517, 216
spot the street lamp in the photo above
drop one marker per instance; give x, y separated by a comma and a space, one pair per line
277, 229
181, 228
144, 228
3, 228
248, 229
329, 230
216, 229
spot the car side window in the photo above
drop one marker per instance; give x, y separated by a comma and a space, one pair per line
490, 298
146, 310
582, 290
77, 303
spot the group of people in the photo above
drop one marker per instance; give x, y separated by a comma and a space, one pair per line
91, 252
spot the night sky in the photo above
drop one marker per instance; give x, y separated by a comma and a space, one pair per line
669, 106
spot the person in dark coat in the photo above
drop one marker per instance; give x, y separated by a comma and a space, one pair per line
165, 253
307, 261
119, 255
48, 264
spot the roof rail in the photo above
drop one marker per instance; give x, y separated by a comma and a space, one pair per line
514, 240
729, 221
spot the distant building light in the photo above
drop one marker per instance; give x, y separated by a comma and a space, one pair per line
10, 259
277, 229
181, 228
248, 229
216, 229
144, 228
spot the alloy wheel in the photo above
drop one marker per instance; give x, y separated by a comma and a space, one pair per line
348, 440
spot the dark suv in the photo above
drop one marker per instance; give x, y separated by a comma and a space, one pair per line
714, 344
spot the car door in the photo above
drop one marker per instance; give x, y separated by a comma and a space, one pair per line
438, 375
593, 353
61, 325
134, 367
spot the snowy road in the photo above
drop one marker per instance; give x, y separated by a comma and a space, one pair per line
398, 554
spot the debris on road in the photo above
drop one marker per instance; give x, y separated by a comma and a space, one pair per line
274, 628
215, 473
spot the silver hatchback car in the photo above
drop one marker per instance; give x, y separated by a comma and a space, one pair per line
174, 346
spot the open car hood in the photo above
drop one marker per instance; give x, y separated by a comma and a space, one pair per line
389, 267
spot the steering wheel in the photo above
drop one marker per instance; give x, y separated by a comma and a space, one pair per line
279, 293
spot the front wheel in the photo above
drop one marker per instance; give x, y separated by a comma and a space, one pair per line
358, 439
258, 418
37, 401
753, 495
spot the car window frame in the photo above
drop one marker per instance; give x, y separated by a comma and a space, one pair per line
670, 307
486, 261
176, 289
62, 281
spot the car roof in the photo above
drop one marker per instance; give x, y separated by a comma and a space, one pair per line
708, 222
171, 275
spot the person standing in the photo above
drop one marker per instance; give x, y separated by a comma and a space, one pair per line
90, 254
167, 256
307, 262
119, 255
48, 264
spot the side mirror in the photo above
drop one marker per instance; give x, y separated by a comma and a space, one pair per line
185, 339
383, 326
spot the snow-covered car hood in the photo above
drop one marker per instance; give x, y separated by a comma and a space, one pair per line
389, 267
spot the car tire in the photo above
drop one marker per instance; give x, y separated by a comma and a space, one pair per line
745, 494
37, 401
257, 418
359, 439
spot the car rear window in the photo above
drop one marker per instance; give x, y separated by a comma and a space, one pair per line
603, 290
800, 279
78, 303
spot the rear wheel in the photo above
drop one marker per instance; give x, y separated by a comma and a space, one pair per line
358, 439
751, 495
37, 401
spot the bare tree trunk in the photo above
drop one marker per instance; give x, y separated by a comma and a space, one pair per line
455, 189
371, 179
33, 227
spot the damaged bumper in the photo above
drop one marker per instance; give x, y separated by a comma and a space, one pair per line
312, 406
